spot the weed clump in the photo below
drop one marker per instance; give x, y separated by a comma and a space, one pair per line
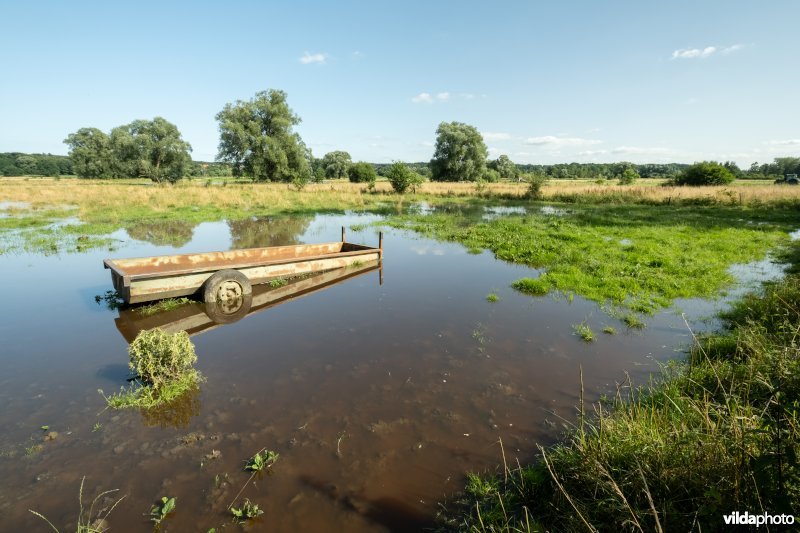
532, 286
583, 331
163, 365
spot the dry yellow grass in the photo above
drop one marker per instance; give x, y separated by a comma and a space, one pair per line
122, 200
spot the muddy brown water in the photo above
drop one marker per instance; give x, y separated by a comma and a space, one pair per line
378, 397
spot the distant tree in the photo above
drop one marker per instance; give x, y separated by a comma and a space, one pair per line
90, 153
733, 168
362, 172
256, 137
491, 175
535, 181
507, 169
336, 164
705, 173
402, 178
150, 149
460, 153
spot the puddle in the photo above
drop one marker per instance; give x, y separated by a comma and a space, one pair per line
379, 388
550, 210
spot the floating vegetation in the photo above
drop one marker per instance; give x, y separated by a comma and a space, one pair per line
492, 298
609, 330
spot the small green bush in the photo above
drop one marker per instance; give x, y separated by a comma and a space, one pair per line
401, 177
163, 364
535, 183
159, 357
362, 172
705, 173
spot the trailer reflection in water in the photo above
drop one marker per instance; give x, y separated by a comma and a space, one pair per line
197, 317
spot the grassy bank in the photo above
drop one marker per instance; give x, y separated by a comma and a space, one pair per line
631, 258
718, 433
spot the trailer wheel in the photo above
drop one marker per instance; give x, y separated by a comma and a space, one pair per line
230, 311
226, 285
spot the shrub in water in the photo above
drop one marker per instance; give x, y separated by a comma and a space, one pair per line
163, 364
159, 358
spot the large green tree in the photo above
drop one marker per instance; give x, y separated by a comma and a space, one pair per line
505, 167
336, 164
256, 137
90, 153
143, 148
460, 153
161, 154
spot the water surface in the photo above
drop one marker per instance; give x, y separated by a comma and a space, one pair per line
378, 397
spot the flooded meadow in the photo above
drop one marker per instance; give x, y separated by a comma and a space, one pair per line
379, 387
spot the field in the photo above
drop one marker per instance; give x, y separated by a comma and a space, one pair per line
713, 434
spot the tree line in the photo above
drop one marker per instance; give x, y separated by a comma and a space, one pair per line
258, 141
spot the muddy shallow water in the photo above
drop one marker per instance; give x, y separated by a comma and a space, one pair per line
378, 397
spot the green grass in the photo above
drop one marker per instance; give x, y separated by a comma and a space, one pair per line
492, 298
635, 257
583, 331
167, 304
718, 433
609, 330
532, 286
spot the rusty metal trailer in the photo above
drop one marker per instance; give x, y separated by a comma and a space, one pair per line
225, 277
198, 317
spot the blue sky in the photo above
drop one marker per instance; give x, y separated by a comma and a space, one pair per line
545, 82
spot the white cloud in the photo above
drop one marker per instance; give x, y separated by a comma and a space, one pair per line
785, 142
358, 55
638, 150
496, 151
557, 142
495, 136
693, 53
467, 96
443, 97
423, 98
308, 58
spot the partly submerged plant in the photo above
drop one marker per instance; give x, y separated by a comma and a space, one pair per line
87, 524
248, 511
163, 367
261, 460
584, 331
160, 511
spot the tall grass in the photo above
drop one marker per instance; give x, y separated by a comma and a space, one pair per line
716, 434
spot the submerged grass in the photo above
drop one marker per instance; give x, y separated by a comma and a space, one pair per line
718, 433
635, 258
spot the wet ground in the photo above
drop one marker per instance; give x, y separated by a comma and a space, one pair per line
378, 397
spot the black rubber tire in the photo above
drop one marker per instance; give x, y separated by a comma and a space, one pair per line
226, 284
231, 311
